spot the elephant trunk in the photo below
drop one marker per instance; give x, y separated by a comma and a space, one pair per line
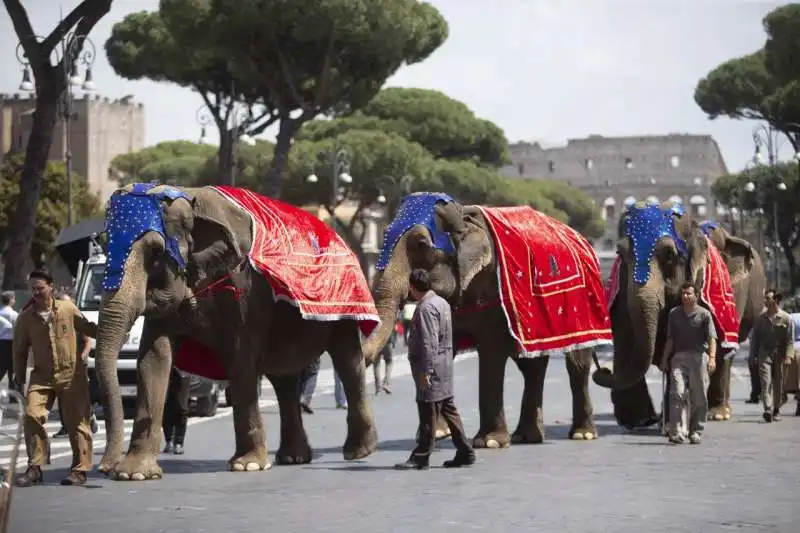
390, 290
117, 315
646, 304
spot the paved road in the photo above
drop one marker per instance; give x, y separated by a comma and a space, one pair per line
744, 476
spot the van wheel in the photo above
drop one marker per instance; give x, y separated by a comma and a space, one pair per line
207, 406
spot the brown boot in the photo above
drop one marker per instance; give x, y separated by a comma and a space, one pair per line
32, 476
74, 478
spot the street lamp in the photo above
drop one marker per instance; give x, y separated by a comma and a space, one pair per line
81, 48
340, 174
767, 137
239, 118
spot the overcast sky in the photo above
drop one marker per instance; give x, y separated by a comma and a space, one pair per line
545, 70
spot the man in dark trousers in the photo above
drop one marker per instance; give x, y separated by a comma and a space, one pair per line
430, 354
176, 411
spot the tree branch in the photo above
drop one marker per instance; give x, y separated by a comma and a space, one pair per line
66, 25
24, 31
256, 128
324, 78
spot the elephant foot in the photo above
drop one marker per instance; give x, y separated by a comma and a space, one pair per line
254, 461
718, 414
491, 440
138, 467
294, 453
528, 435
583, 432
108, 463
442, 433
360, 444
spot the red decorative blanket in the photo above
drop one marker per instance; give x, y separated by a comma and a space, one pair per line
306, 263
550, 284
717, 295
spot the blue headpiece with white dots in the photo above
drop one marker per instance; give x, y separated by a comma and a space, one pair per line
416, 208
645, 226
129, 216
708, 226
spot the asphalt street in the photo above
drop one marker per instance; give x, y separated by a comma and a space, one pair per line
743, 476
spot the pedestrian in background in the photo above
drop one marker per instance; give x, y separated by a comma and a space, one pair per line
308, 383
772, 349
8, 317
385, 354
47, 328
689, 357
176, 411
430, 354
791, 383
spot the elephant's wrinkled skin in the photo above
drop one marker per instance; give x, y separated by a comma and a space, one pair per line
254, 335
469, 280
639, 313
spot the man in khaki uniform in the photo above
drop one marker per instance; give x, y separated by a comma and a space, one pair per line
772, 349
47, 327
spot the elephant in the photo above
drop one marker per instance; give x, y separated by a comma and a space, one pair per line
188, 273
649, 286
457, 249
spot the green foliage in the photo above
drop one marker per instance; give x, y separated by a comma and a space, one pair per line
174, 162
730, 190
764, 85
296, 59
51, 210
446, 127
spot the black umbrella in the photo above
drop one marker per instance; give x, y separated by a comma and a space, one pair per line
73, 242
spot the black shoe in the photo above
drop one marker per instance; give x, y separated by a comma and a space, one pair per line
753, 399
412, 465
797, 411
168, 448
776, 415
306, 408
61, 433
178, 449
460, 460
93, 424
767, 416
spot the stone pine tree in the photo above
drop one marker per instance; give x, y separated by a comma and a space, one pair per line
294, 60
50, 81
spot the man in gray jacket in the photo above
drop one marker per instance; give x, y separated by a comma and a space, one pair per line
430, 354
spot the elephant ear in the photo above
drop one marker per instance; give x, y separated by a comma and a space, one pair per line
737, 247
222, 233
474, 247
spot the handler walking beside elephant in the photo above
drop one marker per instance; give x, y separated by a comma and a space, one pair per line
430, 354
772, 349
47, 327
689, 357
176, 411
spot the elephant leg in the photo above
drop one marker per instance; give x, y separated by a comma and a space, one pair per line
493, 431
348, 362
718, 389
530, 428
248, 424
153, 368
294, 448
633, 408
579, 365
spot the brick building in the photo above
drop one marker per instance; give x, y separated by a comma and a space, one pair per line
101, 130
616, 171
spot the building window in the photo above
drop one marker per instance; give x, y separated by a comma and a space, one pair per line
589, 163
674, 161
551, 166
628, 163
609, 208
609, 214
698, 205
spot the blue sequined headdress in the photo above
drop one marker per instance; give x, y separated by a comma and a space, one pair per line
416, 208
645, 226
708, 226
129, 216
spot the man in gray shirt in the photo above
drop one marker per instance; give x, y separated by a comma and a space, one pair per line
689, 357
430, 355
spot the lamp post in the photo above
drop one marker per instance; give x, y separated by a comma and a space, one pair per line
236, 120
340, 174
82, 49
765, 136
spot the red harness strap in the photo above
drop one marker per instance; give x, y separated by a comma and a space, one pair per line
220, 284
478, 306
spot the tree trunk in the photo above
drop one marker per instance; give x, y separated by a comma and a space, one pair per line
273, 180
225, 158
17, 256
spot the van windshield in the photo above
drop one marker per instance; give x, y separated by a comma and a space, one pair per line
90, 292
